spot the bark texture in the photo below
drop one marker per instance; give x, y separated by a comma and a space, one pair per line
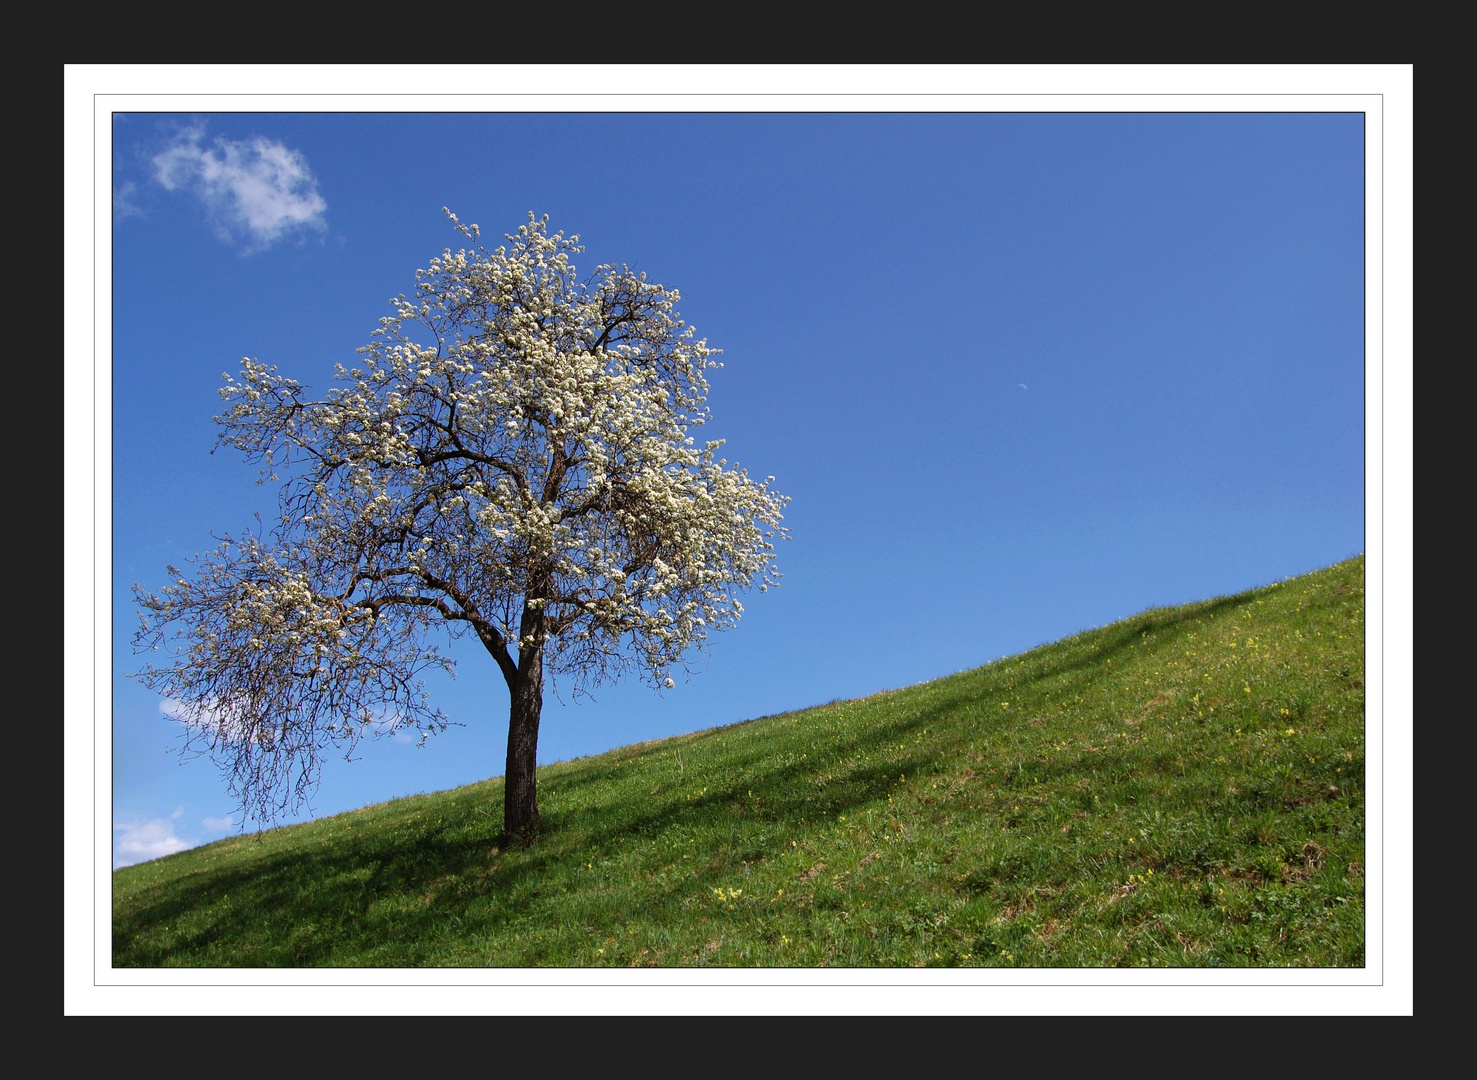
526, 689
520, 784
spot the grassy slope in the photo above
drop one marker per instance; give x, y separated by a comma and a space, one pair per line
1185, 787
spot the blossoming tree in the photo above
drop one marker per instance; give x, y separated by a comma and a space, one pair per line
510, 459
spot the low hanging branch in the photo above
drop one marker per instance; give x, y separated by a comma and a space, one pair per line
511, 458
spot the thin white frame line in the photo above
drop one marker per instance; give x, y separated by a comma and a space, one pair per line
888, 985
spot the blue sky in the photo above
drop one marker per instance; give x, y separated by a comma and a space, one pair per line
1021, 374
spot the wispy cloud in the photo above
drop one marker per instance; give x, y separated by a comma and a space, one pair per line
206, 718
123, 204
218, 719
256, 190
139, 841
219, 824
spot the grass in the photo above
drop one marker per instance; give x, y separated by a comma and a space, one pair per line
1182, 788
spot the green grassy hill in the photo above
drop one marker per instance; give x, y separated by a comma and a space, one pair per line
1182, 788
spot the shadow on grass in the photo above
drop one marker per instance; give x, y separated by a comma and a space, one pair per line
402, 889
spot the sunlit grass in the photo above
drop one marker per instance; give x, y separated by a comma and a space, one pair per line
1182, 788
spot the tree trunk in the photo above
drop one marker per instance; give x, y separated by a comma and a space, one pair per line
520, 778
526, 687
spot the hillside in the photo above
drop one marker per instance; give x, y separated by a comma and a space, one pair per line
1181, 788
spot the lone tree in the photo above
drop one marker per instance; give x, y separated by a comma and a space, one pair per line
510, 458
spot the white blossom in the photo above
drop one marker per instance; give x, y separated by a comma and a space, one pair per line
511, 458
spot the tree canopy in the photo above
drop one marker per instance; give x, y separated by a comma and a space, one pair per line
509, 458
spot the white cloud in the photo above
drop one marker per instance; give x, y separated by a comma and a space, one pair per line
219, 824
140, 841
197, 718
257, 189
123, 205
216, 721
207, 718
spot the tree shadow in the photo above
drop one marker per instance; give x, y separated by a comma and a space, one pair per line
414, 884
